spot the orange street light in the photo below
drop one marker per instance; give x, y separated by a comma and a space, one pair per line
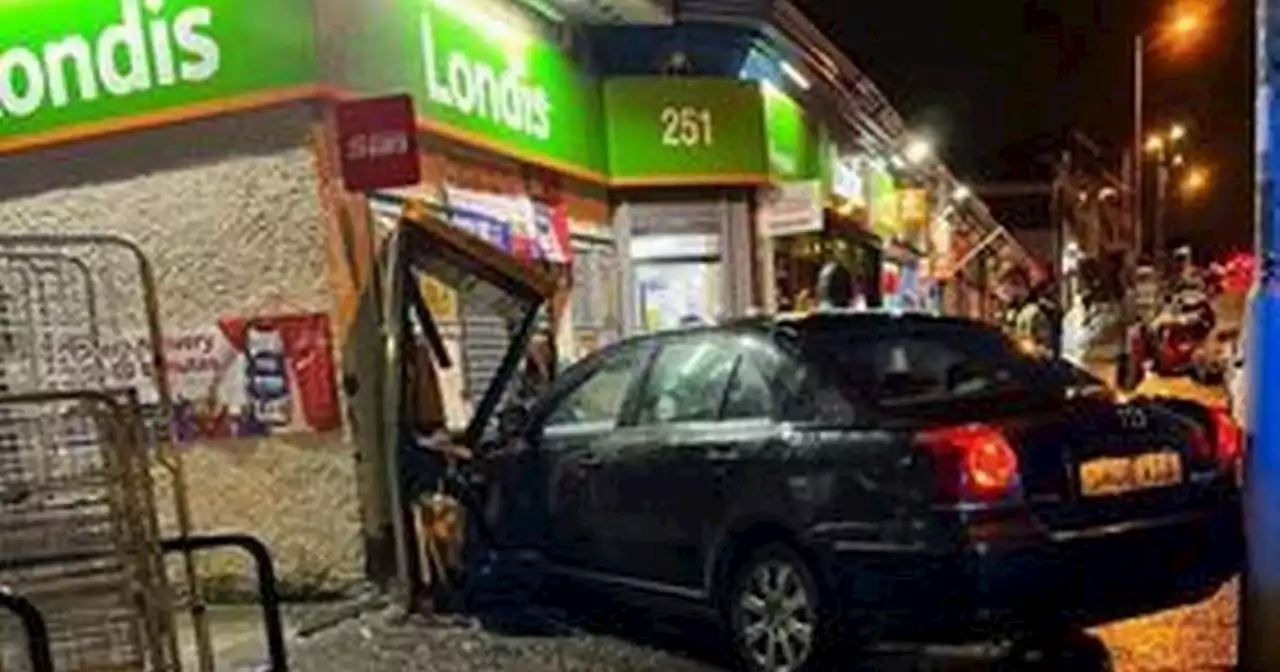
1154, 144
1185, 25
1196, 181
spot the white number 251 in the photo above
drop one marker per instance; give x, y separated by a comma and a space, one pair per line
687, 127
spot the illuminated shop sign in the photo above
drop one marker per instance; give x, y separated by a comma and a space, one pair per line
479, 73
71, 67
847, 182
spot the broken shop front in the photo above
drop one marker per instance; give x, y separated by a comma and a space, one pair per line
527, 177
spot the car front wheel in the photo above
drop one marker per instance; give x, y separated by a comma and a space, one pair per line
775, 613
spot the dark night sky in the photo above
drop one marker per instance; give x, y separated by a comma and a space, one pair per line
988, 78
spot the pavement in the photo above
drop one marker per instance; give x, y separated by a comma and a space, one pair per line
1198, 638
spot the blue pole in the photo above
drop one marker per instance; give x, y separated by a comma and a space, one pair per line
1260, 593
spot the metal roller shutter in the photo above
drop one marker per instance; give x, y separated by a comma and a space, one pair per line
485, 338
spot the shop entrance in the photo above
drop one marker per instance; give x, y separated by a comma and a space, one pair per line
689, 262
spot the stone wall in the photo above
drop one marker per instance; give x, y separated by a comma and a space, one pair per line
228, 210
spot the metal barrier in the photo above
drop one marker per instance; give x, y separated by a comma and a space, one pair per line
76, 534
86, 418
268, 588
34, 629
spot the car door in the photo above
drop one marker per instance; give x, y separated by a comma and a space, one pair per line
703, 407
574, 428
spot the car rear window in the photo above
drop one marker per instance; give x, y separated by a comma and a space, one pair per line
939, 362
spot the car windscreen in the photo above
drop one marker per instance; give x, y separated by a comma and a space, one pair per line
944, 362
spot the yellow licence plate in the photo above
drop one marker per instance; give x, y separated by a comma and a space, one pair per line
1110, 476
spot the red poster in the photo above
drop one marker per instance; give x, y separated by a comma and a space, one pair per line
289, 368
254, 377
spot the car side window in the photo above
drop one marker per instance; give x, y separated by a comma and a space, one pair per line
932, 366
809, 396
599, 399
750, 394
687, 383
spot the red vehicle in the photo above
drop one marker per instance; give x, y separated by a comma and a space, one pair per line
1171, 343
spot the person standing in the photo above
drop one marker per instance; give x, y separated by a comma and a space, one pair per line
1028, 317
835, 287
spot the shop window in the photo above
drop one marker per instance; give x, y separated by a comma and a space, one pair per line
687, 383
798, 262
672, 294
594, 311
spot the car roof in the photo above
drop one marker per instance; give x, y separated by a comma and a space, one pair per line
817, 321
821, 320
859, 319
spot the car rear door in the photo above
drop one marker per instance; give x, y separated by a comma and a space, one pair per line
657, 482
702, 416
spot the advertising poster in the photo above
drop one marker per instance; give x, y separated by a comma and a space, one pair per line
239, 378
791, 208
515, 224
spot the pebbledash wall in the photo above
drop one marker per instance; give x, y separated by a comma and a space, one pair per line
189, 127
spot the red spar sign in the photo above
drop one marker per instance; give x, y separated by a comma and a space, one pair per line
378, 142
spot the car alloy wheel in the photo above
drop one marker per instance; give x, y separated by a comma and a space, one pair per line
774, 612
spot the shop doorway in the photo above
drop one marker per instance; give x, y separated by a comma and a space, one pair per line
689, 263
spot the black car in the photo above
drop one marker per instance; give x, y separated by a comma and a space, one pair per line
870, 476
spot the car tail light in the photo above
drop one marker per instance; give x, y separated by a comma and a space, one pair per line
1202, 448
975, 462
1228, 439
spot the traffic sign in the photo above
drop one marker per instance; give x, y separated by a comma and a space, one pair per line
378, 143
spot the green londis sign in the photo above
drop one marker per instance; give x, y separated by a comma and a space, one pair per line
75, 67
667, 130
792, 143
477, 74
886, 220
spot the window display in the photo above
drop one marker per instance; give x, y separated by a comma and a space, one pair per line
799, 260
677, 280
676, 294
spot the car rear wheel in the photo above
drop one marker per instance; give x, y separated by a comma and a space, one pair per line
775, 613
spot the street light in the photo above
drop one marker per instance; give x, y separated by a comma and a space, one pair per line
1184, 26
1162, 148
918, 151
961, 193
1196, 181
1154, 144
